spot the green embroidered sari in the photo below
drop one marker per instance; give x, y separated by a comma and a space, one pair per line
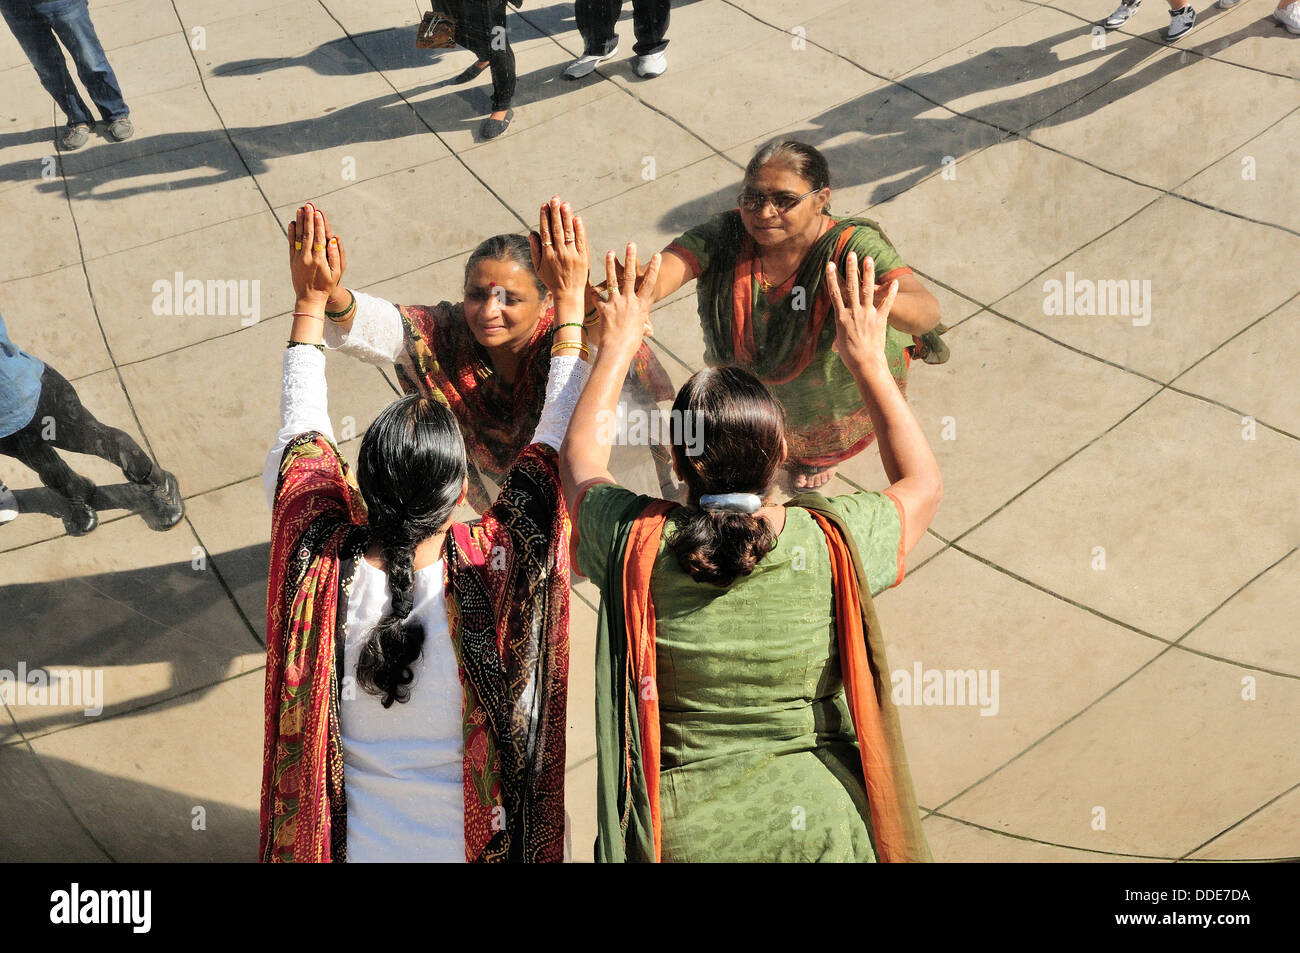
784, 335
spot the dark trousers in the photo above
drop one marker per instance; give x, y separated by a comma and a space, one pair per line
481, 29
62, 422
38, 26
596, 19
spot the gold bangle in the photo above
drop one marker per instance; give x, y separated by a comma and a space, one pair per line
563, 345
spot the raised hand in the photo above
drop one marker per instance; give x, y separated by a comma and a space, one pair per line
559, 248
315, 256
624, 317
859, 325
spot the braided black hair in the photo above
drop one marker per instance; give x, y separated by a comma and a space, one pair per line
410, 471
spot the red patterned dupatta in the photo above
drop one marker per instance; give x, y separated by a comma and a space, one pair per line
508, 604
444, 360
507, 579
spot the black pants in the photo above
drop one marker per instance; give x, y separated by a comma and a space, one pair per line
62, 422
596, 19
481, 29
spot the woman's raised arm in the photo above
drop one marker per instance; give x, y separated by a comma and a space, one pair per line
860, 340
584, 455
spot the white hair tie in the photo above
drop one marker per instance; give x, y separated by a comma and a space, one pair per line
731, 502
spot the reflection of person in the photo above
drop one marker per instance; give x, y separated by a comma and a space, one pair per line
596, 20
1287, 12
486, 358
762, 302
739, 633
39, 26
40, 412
1182, 17
456, 634
481, 28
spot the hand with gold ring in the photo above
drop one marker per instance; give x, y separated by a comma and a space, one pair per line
315, 257
561, 266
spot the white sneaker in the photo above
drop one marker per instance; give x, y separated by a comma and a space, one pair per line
647, 67
586, 64
1224, 4
1181, 22
1289, 17
8, 505
1121, 15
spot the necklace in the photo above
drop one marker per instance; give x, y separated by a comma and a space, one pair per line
766, 286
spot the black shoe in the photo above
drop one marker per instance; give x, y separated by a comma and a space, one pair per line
492, 128
468, 74
165, 498
81, 518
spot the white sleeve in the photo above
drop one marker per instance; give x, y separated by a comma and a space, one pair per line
377, 335
568, 376
303, 407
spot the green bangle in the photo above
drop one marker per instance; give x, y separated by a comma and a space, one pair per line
352, 299
570, 324
320, 347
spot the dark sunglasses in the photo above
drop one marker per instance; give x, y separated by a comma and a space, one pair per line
753, 201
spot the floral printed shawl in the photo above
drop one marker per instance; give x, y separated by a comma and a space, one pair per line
507, 585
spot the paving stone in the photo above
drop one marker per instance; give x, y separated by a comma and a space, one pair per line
1138, 762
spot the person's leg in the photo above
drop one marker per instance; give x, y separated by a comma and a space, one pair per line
36, 38
32, 451
75, 428
71, 21
1182, 17
596, 19
503, 80
501, 57
650, 20
30, 448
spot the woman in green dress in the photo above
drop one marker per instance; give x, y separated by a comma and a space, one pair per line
742, 693
763, 303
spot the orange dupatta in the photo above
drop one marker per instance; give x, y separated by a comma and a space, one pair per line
895, 817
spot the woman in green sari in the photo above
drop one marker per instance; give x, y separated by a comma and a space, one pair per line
762, 302
743, 708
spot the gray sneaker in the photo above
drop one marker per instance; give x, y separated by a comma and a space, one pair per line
120, 130
1289, 17
1181, 22
73, 137
586, 64
1121, 15
648, 67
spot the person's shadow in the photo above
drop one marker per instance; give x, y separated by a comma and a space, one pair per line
902, 146
119, 496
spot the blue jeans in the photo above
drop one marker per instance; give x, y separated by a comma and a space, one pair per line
36, 24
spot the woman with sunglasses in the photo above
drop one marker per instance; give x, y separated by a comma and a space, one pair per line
763, 306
